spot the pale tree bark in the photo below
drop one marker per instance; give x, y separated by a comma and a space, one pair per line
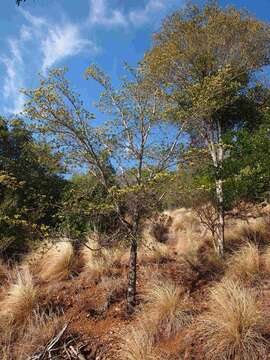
216, 149
219, 193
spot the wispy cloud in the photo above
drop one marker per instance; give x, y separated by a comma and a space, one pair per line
62, 42
141, 16
100, 14
53, 43
13, 80
58, 42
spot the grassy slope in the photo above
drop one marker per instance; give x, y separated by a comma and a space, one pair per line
191, 305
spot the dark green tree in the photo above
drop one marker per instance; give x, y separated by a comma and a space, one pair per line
30, 185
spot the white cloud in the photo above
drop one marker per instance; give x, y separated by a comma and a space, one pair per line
13, 80
62, 42
25, 33
100, 14
57, 42
52, 42
141, 16
35, 21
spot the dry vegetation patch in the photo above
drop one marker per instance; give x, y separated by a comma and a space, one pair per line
232, 328
244, 264
56, 263
136, 343
167, 307
98, 260
19, 301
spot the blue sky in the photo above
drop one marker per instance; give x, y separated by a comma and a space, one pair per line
47, 33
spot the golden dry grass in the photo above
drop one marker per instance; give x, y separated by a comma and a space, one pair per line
244, 264
136, 343
20, 299
233, 326
266, 260
56, 262
238, 234
41, 329
166, 307
99, 260
153, 250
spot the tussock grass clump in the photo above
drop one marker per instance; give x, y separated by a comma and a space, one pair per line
19, 301
56, 263
3, 272
153, 250
97, 259
136, 343
256, 232
244, 264
166, 307
41, 329
185, 220
266, 259
233, 326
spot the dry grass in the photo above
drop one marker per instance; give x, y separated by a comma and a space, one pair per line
186, 234
266, 259
99, 260
244, 264
136, 343
40, 330
238, 234
233, 326
18, 303
56, 262
166, 307
3, 272
152, 250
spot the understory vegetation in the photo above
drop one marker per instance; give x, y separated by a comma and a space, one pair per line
145, 236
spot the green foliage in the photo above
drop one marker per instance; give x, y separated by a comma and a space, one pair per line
247, 168
30, 186
85, 207
58, 112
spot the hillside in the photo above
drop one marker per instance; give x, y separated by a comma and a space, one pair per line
134, 180
58, 304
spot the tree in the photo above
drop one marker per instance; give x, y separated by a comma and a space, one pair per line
204, 60
136, 110
129, 141
30, 186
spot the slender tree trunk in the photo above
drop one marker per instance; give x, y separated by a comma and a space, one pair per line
220, 226
219, 192
215, 145
132, 277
